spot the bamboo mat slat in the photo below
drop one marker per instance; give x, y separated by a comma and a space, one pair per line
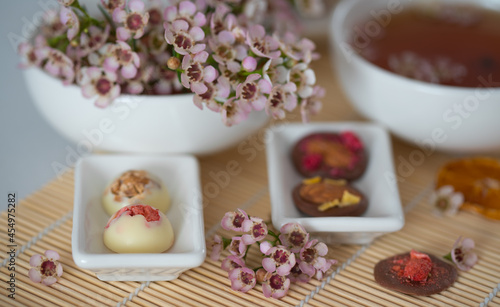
44, 221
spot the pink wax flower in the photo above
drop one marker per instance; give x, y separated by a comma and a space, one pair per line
134, 20
242, 279
45, 269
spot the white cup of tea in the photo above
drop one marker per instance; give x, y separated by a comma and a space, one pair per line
454, 118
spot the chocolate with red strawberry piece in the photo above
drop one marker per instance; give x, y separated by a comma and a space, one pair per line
330, 155
415, 273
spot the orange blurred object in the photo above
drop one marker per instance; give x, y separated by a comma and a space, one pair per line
478, 179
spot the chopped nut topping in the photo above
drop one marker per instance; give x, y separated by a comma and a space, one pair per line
130, 184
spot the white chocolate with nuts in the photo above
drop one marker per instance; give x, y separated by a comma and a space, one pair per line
138, 229
134, 187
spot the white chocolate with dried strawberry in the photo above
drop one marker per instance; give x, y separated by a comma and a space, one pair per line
138, 229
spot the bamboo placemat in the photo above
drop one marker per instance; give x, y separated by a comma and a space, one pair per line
44, 221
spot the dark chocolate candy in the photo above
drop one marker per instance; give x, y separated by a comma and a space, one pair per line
330, 155
389, 274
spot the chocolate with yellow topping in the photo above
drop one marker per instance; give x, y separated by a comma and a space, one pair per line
326, 197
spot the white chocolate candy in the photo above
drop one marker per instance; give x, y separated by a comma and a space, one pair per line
133, 187
129, 231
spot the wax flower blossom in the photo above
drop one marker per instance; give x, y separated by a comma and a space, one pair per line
45, 269
235, 56
134, 20
276, 286
242, 279
97, 81
312, 259
280, 259
216, 248
256, 228
446, 201
288, 256
294, 236
462, 254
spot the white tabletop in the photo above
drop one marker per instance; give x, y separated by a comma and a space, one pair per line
28, 145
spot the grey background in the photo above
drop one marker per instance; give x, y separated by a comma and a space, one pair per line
28, 145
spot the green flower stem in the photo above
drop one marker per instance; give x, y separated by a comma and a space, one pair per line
206, 30
246, 252
243, 73
225, 242
179, 73
54, 41
177, 55
271, 233
63, 45
77, 5
211, 61
133, 44
84, 26
236, 9
107, 17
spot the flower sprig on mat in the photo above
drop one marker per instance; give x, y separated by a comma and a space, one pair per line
288, 257
236, 56
45, 269
462, 254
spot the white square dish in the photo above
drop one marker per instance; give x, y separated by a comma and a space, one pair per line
180, 174
384, 213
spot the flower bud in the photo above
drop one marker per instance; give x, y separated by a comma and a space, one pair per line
249, 63
262, 275
173, 63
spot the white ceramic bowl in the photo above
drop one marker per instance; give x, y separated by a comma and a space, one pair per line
422, 113
384, 213
180, 174
136, 124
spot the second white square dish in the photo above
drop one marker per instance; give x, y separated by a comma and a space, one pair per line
384, 213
